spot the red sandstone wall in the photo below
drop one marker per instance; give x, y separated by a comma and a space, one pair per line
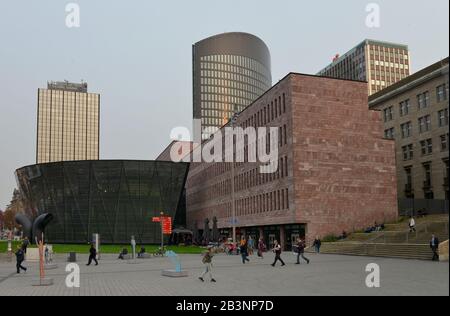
344, 172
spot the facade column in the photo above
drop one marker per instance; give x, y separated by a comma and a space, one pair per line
261, 232
282, 237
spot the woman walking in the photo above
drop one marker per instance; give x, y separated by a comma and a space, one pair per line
261, 248
244, 251
277, 251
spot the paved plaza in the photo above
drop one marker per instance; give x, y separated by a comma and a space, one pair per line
326, 275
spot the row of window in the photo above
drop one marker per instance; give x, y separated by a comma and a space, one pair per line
423, 102
234, 73
267, 114
236, 60
254, 178
263, 203
426, 147
424, 125
428, 177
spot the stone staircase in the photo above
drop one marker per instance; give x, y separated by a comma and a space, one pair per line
395, 241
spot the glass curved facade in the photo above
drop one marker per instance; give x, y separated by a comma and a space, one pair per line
230, 72
116, 199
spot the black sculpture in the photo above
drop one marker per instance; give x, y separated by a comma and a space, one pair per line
215, 231
33, 229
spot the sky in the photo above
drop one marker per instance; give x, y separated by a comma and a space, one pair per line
138, 55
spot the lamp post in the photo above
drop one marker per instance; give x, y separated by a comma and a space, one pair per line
233, 206
162, 232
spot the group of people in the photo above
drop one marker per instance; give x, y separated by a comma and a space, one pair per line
246, 249
375, 228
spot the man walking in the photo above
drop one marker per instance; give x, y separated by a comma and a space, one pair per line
317, 244
20, 257
300, 248
207, 261
25, 244
412, 225
277, 251
434, 245
92, 255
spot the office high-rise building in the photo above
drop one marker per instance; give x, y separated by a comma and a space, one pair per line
381, 64
68, 123
230, 71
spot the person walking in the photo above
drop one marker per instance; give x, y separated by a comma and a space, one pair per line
261, 248
317, 244
25, 244
20, 258
412, 225
277, 251
244, 251
300, 249
207, 261
251, 245
434, 245
92, 255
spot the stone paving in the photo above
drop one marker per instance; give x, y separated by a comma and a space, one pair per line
326, 275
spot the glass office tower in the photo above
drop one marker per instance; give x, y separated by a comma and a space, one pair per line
230, 71
68, 123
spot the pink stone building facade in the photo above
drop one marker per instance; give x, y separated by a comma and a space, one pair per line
336, 173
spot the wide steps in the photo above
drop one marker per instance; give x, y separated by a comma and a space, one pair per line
405, 251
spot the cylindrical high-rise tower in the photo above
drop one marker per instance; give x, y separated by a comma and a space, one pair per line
230, 71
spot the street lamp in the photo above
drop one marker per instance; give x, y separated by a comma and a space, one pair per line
233, 206
162, 231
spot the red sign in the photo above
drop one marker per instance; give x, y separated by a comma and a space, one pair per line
167, 225
156, 219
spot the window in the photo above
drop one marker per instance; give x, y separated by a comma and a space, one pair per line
408, 174
427, 147
427, 172
405, 107
423, 100
408, 152
443, 118
389, 133
441, 93
389, 114
444, 142
406, 129
425, 124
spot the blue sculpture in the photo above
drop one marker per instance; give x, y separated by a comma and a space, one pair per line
175, 260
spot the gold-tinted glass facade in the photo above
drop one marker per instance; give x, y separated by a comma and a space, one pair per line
230, 71
68, 126
229, 83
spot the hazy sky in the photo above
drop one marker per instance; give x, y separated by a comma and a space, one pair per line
137, 55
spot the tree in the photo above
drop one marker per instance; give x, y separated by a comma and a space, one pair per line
2, 220
15, 207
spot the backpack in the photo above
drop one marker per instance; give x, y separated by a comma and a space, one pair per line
207, 258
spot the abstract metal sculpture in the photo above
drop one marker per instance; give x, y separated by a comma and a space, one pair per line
34, 230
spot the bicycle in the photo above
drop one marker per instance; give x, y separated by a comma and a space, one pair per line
161, 252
